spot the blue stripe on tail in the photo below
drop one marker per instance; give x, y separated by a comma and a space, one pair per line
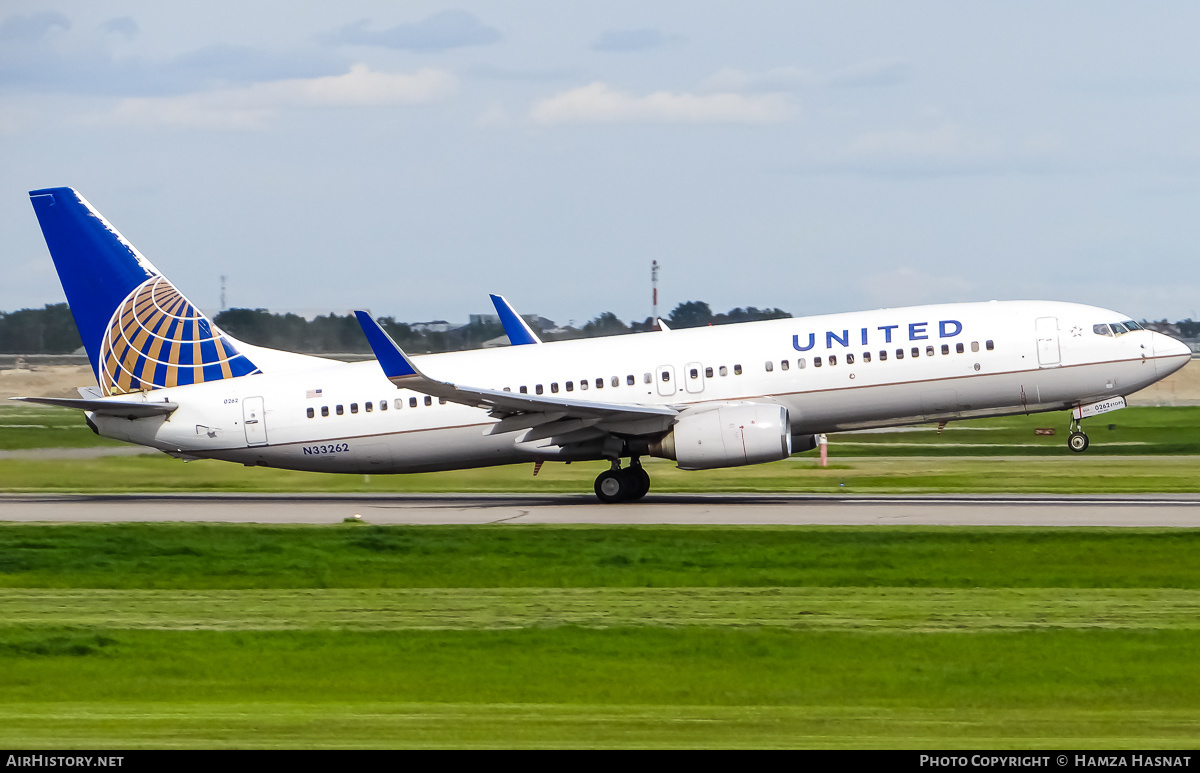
140, 333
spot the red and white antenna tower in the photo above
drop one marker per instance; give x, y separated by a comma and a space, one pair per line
654, 292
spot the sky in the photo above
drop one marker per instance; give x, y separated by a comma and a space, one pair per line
410, 158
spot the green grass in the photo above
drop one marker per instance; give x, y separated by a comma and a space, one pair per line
23, 427
241, 636
1085, 474
231, 556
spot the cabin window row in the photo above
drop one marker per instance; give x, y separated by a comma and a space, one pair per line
930, 351
368, 407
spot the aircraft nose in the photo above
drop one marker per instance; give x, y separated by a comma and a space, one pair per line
1170, 354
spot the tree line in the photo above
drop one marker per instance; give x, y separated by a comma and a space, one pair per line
51, 330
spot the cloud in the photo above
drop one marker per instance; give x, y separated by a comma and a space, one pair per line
258, 105
440, 32
35, 26
871, 73
634, 40
124, 25
598, 103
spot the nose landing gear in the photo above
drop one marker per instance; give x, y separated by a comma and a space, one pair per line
1077, 441
622, 485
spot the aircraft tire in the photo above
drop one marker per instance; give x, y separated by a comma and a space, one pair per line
613, 486
639, 483
1077, 442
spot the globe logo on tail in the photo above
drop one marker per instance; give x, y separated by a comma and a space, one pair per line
158, 339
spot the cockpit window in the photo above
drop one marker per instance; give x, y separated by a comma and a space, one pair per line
1119, 329
1101, 330
1129, 323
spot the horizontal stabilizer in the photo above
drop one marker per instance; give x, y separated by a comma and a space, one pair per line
124, 409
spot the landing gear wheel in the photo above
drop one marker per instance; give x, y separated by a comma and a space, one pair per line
639, 482
613, 486
1077, 442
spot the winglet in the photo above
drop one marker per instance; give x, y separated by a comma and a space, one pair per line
515, 327
396, 364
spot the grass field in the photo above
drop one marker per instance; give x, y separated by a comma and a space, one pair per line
349, 636
154, 635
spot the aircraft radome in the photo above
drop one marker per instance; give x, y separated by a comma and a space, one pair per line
710, 397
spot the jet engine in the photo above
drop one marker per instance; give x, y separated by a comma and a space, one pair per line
727, 435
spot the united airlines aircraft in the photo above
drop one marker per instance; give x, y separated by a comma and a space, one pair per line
711, 397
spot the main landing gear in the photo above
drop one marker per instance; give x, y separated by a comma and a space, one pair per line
1077, 441
622, 485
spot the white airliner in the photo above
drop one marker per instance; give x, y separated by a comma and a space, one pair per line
705, 397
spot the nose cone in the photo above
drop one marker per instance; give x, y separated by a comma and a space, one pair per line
1170, 354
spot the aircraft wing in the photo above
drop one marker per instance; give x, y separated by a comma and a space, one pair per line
518, 411
125, 409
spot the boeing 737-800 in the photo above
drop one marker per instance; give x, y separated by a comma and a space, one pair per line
711, 397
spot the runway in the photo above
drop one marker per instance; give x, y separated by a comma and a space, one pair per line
1176, 511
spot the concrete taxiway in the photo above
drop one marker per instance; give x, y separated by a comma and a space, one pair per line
708, 509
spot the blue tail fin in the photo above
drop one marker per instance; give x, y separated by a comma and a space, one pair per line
140, 333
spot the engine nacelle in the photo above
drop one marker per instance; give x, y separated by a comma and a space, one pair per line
728, 435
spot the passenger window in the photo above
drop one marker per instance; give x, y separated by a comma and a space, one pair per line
737, 370
368, 407
353, 407
989, 346
570, 386
524, 390
441, 401
849, 359
538, 389
648, 379
946, 348
412, 402
383, 405
666, 375
883, 355
630, 380
866, 356
616, 381
928, 351
399, 403
340, 410
724, 371
708, 372
583, 384
311, 413
974, 346
784, 364
833, 359
800, 363
916, 351
554, 387
770, 367
324, 410
428, 400
507, 389
958, 348
599, 383
816, 362
899, 354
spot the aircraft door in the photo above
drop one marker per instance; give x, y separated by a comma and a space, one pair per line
254, 418
665, 377
693, 377
1047, 342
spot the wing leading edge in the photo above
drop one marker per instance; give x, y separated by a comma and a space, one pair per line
563, 420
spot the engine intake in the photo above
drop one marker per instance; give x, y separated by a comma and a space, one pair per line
728, 435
